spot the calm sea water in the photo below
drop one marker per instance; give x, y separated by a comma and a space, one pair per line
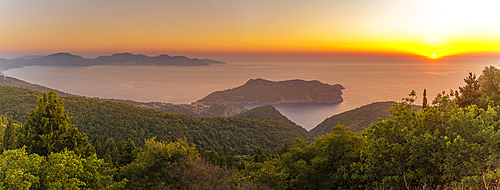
366, 80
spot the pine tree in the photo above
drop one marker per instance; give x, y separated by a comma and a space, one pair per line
47, 129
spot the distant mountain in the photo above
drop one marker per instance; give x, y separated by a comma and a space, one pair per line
268, 112
60, 59
357, 119
131, 59
67, 59
260, 91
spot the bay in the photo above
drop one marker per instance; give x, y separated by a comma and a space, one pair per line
366, 79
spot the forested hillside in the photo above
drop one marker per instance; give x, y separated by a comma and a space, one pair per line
121, 122
268, 112
357, 119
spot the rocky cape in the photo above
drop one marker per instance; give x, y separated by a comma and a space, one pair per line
260, 91
67, 59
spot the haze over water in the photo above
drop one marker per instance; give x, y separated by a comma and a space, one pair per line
366, 80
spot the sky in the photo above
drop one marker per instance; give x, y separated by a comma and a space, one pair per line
430, 28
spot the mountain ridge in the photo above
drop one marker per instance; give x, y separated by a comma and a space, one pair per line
68, 59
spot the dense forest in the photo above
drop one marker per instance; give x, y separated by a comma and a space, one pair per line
452, 142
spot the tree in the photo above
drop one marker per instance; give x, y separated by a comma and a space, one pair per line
9, 138
175, 165
443, 147
482, 91
424, 99
127, 152
63, 170
469, 94
18, 170
47, 129
66, 170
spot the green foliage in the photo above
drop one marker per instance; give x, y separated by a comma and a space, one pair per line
176, 165
327, 162
114, 154
67, 170
63, 170
47, 129
424, 100
481, 91
357, 120
224, 158
266, 173
121, 122
469, 94
442, 147
18, 170
9, 137
127, 152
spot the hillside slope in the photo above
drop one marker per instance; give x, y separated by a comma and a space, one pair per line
268, 112
122, 121
357, 119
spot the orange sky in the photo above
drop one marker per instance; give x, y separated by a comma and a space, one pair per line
91, 28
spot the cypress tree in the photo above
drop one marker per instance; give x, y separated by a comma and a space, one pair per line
424, 100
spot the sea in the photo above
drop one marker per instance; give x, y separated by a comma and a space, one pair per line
366, 79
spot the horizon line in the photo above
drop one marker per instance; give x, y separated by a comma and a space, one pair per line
260, 53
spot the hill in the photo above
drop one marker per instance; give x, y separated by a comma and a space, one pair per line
260, 91
122, 121
268, 112
357, 119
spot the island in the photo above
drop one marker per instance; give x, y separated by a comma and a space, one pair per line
261, 91
68, 59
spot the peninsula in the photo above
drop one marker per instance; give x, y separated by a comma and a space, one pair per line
261, 91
